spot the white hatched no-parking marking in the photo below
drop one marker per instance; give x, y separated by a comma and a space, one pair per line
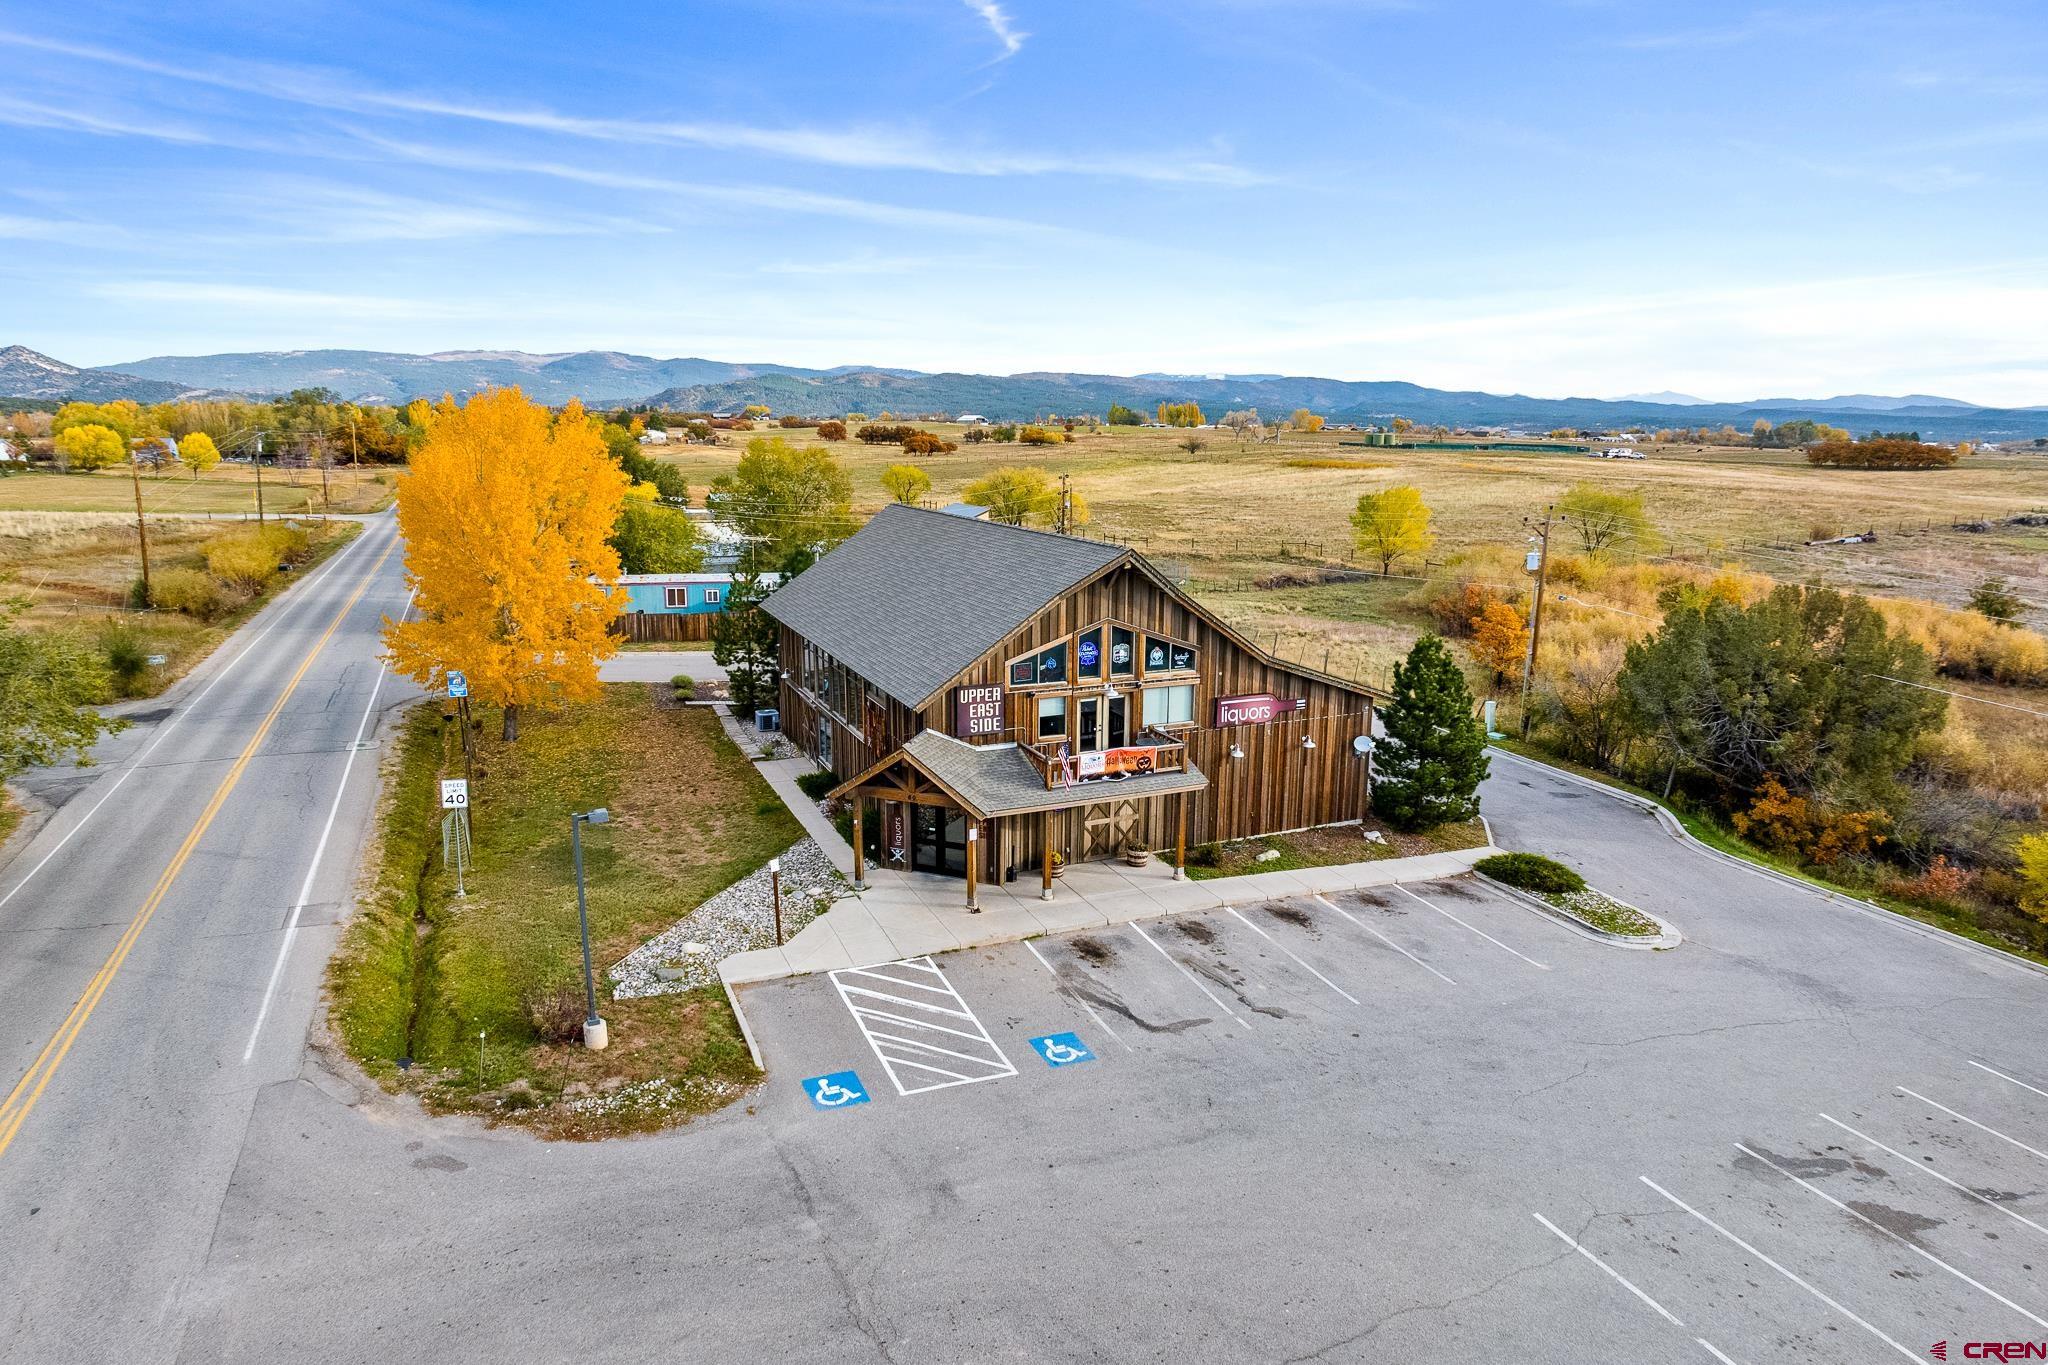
921, 1031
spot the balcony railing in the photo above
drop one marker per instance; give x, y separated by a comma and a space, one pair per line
1154, 752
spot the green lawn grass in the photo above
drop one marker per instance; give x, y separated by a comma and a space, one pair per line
422, 974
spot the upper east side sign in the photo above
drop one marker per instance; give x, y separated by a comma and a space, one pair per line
977, 711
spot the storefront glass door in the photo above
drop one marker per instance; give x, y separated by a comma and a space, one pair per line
938, 840
1088, 725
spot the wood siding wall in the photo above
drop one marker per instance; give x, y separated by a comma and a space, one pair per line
1277, 785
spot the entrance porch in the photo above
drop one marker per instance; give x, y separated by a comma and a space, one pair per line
993, 814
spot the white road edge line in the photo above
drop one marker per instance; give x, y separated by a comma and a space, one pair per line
1923, 1166
1384, 939
1297, 961
1714, 1351
1214, 999
187, 709
2003, 1077
1910, 1355
1619, 1278
1075, 995
1973, 1123
1481, 932
291, 928
1872, 1222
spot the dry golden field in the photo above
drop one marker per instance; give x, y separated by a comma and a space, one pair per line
225, 489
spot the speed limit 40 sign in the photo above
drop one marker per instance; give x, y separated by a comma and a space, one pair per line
454, 793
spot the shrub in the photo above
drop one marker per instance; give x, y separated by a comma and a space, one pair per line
243, 561
556, 1012
884, 433
1002, 435
1943, 883
188, 591
927, 443
287, 544
127, 656
684, 685
832, 431
1458, 606
1796, 824
791, 422
1884, 452
1531, 872
1201, 855
1040, 436
816, 785
2033, 875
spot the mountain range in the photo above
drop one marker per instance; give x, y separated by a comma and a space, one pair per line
693, 383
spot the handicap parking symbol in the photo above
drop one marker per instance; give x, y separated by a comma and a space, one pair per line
1062, 1049
836, 1091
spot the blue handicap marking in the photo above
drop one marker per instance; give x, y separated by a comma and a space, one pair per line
836, 1091
1062, 1049
458, 684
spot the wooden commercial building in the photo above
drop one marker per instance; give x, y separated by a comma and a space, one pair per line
992, 696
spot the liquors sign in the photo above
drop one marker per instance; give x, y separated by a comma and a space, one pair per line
1256, 709
977, 711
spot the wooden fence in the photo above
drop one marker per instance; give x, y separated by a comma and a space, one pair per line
643, 628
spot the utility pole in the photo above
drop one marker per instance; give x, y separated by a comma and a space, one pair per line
259, 478
141, 527
1539, 565
1063, 516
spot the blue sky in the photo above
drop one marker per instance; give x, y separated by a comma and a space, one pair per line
1546, 196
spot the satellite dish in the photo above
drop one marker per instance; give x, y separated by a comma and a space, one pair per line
1362, 745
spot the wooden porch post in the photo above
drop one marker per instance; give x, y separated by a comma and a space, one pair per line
1045, 867
860, 857
1180, 840
973, 855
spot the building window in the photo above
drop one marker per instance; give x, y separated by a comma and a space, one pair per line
676, 597
1052, 717
1170, 705
1088, 655
1123, 652
1048, 665
1165, 656
712, 596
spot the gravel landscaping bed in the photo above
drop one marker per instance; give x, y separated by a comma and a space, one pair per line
736, 920
1603, 912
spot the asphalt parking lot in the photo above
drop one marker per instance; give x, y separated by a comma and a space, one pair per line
1426, 1123
1444, 1129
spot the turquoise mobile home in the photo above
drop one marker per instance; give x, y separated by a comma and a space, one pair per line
675, 594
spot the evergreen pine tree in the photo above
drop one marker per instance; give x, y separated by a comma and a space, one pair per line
744, 642
1428, 767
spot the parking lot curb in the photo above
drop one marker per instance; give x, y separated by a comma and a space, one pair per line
1661, 943
1671, 825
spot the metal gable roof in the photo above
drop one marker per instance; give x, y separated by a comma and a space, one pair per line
914, 597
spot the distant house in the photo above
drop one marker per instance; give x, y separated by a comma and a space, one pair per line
654, 436
971, 511
723, 416
156, 451
971, 419
12, 454
675, 594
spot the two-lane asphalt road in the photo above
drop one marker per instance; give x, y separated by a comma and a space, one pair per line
171, 905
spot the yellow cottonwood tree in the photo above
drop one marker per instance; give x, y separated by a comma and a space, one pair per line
1390, 524
507, 512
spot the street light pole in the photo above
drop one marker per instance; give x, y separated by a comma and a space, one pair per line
594, 1034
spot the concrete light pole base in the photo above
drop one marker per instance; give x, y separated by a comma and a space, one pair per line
596, 1036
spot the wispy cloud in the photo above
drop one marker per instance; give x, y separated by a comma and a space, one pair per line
1001, 24
859, 147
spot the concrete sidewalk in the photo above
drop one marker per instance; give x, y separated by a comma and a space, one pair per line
910, 914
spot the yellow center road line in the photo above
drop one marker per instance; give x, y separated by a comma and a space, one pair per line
22, 1099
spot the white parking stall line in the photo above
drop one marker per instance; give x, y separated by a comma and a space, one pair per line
1384, 939
1619, 1278
906, 1035
1297, 961
1908, 1354
2003, 1077
1474, 928
1214, 998
1973, 1123
1075, 995
1714, 1351
1951, 1183
1867, 1221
